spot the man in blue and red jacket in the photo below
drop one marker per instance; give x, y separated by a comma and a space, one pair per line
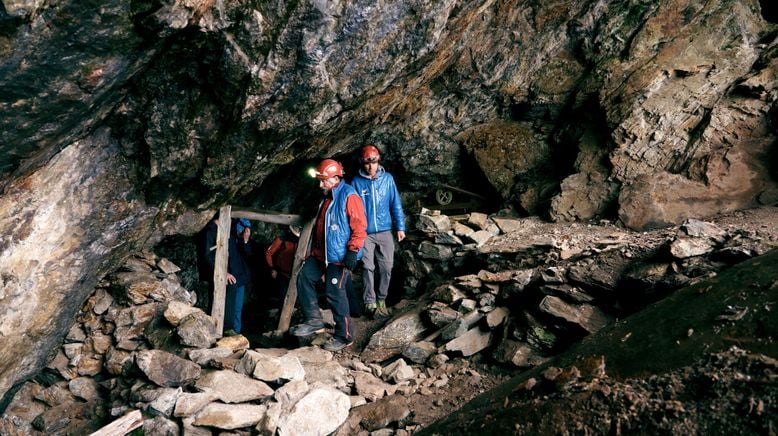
339, 234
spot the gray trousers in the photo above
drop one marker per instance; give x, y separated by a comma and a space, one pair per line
379, 252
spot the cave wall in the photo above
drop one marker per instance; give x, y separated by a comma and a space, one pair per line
125, 122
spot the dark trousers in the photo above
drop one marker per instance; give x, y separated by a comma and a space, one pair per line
338, 289
281, 283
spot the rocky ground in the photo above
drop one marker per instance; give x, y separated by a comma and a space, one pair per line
701, 361
732, 391
530, 319
739, 387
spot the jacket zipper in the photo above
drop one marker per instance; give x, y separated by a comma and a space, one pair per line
326, 227
375, 207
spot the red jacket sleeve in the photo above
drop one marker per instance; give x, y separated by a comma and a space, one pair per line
357, 221
271, 251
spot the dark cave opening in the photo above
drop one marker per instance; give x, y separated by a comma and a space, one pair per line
473, 180
769, 10
526, 111
578, 142
582, 143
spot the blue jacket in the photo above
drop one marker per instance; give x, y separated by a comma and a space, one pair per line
337, 231
382, 201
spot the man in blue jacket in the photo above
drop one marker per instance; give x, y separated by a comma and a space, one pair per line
336, 246
384, 213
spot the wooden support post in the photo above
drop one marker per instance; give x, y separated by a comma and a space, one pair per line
121, 426
220, 268
291, 292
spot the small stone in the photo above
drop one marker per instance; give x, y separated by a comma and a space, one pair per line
167, 266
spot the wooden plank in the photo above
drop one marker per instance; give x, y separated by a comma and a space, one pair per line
266, 216
291, 292
220, 268
121, 426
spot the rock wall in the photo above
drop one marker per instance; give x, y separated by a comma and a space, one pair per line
119, 120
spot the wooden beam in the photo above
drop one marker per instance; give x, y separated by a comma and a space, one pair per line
121, 426
291, 292
220, 268
266, 216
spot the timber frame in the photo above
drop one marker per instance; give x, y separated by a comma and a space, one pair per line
226, 213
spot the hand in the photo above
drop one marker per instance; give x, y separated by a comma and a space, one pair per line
231, 280
400, 235
350, 260
246, 235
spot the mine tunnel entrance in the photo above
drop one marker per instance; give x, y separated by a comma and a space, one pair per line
230, 224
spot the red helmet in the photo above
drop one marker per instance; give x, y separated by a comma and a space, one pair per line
329, 168
370, 154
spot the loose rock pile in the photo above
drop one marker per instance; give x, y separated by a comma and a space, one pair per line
140, 344
523, 290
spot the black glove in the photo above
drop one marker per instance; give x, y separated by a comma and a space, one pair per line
350, 260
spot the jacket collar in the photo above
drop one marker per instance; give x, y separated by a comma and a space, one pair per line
336, 188
378, 173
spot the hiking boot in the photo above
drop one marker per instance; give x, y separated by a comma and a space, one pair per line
230, 332
381, 313
370, 309
308, 328
336, 344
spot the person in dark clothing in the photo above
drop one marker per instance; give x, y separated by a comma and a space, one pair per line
339, 233
238, 276
238, 273
279, 256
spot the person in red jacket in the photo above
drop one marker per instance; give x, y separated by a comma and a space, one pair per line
279, 256
339, 234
